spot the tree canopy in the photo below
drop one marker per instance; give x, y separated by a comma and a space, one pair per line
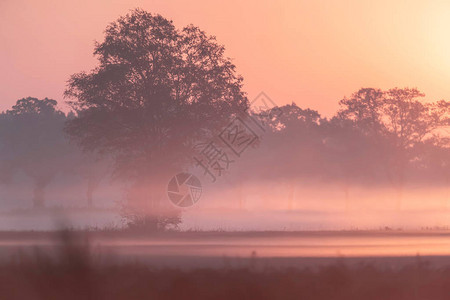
156, 89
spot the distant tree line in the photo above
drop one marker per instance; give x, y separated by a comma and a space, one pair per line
33, 141
377, 138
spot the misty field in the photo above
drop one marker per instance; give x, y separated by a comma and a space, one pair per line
141, 159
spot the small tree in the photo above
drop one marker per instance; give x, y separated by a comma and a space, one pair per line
32, 136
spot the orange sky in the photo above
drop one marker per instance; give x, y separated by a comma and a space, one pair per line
309, 52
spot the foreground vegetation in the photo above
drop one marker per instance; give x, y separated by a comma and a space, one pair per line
75, 273
76, 278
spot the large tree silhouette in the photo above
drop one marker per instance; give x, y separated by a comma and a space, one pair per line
155, 91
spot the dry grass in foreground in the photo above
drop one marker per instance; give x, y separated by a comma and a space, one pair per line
74, 273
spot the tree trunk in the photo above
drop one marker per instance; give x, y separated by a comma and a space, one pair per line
89, 195
148, 208
89, 199
347, 197
346, 187
40, 183
239, 195
446, 192
92, 184
399, 190
39, 196
291, 195
399, 167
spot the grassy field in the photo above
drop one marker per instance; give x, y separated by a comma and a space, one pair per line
74, 271
77, 276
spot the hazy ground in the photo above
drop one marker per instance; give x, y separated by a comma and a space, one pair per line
229, 219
